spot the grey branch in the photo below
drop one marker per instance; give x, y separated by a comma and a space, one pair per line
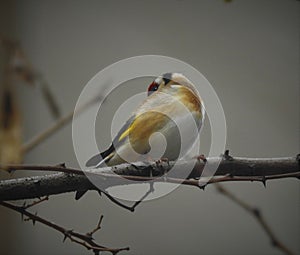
69, 179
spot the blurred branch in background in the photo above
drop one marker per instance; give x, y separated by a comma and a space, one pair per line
10, 127
19, 68
39, 138
10, 115
16, 67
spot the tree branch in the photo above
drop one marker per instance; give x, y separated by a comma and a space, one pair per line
70, 179
85, 240
256, 213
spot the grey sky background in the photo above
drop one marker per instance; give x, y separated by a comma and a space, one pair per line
248, 50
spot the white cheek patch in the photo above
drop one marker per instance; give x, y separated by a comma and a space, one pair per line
176, 86
157, 81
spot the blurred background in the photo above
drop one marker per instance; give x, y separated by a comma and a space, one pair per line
248, 50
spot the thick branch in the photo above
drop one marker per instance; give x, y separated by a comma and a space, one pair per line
231, 169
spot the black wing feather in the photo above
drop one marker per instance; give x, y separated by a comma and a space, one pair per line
93, 161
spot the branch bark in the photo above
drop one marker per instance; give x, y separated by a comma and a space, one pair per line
70, 179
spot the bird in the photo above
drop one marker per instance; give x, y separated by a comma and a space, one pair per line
159, 112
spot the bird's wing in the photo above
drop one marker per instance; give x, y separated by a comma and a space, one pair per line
118, 141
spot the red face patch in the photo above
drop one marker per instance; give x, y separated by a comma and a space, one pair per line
152, 88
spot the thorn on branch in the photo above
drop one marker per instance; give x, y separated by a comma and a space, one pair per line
63, 165
264, 181
29, 218
67, 234
134, 166
203, 186
226, 155
35, 202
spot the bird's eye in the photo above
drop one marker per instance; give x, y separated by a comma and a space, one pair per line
152, 87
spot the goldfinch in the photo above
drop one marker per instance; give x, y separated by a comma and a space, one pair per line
152, 116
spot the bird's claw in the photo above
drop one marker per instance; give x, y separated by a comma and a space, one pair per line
159, 164
201, 157
161, 160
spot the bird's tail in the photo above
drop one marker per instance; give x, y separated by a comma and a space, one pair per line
98, 160
94, 161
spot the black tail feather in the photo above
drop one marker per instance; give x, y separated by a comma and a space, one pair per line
93, 161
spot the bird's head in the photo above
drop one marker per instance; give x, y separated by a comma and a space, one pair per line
169, 81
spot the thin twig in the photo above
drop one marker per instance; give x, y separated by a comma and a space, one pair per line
98, 227
40, 200
129, 208
85, 240
256, 213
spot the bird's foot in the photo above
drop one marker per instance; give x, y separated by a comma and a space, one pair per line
201, 157
161, 160
159, 165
